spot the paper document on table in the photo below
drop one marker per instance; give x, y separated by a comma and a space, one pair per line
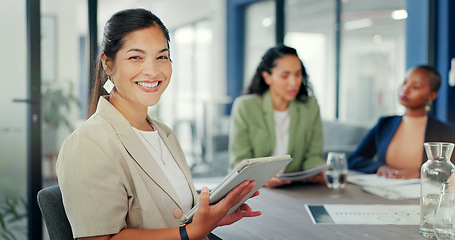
372, 214
375, 180
302, 175
389, 188
396, 192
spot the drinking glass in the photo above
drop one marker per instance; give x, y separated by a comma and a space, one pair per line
337, 170
444, 215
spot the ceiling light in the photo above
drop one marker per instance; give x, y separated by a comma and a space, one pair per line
377, 39
267, 22
399, 14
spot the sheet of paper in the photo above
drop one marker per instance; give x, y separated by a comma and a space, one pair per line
395, 192
375, 180
370, 214
303, 175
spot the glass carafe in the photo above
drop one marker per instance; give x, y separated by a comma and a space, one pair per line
434, 172
444, 215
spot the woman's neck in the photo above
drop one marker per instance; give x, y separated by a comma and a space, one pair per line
279, 104
135, 114
418, 112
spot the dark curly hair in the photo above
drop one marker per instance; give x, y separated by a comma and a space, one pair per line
258, 84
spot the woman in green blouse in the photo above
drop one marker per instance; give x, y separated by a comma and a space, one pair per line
278, 115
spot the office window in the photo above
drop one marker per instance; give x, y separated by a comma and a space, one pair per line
64, 75
372, 59
188, 105
183, 102
259, 35
310, 28
13, 122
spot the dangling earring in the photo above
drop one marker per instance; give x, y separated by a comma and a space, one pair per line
108, 85
428, 106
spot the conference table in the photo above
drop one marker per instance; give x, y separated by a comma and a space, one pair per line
284, 216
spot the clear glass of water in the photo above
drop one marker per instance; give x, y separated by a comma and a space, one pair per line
337, 170
444, 214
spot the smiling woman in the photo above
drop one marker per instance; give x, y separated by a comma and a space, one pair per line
140, 73
122, 174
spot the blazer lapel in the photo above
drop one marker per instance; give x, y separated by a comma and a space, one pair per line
171, 143
267, 108
294, 120
136, 149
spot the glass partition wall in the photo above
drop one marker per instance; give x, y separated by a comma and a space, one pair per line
260, 23
64, 77
310, 28
372, 59
13, 122
64, 74
186, 104
372, 52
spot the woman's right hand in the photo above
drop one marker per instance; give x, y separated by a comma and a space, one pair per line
390, 172
386, 171
207, 217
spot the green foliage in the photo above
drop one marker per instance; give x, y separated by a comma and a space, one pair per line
55, 99
13, 213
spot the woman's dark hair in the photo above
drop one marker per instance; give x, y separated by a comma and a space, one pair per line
117, 28
258, 84
435, 77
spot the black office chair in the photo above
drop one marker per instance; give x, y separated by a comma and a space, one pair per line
51, 205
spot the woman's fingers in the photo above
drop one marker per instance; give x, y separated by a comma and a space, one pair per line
243, 211
242, 190
207, 211
237, 194
276, 182
202, 222
319, 178
255, 194
248, 212
204, 200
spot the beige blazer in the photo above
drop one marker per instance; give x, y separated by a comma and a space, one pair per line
109, 180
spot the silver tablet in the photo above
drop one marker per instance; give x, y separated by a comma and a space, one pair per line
259, 169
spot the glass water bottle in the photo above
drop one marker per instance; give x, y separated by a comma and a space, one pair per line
434, 172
